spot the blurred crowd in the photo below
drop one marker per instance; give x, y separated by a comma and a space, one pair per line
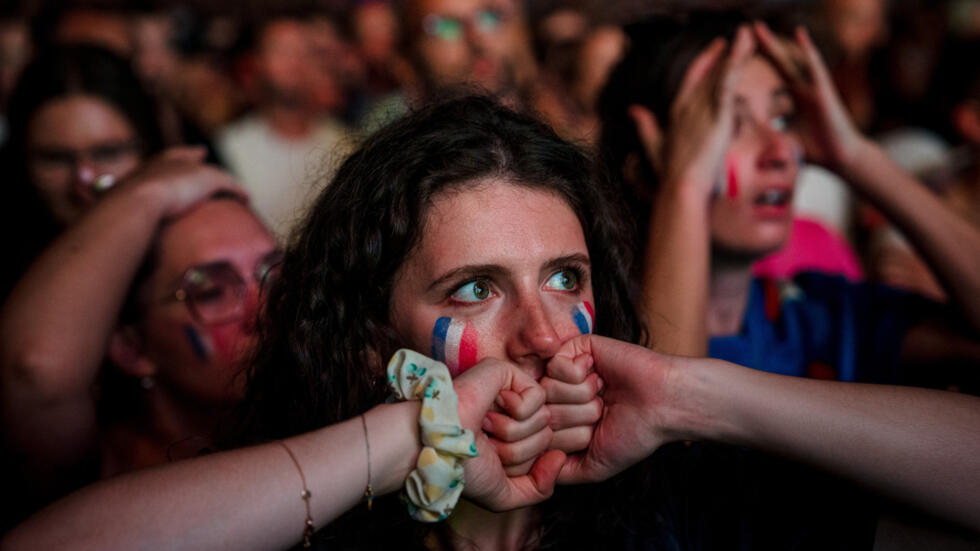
148, 110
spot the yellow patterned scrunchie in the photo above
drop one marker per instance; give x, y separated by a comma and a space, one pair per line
435, 485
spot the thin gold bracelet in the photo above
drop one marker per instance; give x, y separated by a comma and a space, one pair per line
369, 491
305, 495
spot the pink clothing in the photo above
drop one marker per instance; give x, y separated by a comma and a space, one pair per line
812, 247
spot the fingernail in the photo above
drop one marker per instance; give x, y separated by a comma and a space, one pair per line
487, 424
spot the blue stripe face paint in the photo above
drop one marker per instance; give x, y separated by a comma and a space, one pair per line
198, 343
584, 317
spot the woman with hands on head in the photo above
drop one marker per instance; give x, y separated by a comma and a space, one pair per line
708, 139
160, 278
470, 212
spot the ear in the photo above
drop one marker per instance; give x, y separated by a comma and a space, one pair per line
127, 352
650, 134
966, 120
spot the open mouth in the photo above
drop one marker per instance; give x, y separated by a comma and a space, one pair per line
774, 197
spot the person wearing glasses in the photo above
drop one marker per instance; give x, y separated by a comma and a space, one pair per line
78, 119
468, 45
161, 280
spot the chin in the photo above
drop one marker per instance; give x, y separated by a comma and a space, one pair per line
744, 253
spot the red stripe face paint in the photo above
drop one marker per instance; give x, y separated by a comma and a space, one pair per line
454, 344
732, 178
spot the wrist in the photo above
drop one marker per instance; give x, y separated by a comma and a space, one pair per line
146, 195
702, 407
393, 433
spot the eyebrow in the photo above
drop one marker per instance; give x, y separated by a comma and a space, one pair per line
475, 270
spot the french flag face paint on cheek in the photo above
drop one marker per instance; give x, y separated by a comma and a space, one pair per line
584, 317
454, 344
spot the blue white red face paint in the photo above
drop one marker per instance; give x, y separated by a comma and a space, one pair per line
201, 344
584, 317
454, 344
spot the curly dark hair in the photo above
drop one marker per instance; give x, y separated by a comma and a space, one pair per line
325, 333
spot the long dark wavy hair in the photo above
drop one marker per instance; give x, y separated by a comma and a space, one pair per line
325, 335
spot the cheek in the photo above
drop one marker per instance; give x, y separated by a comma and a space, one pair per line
222, 344
201, 344
454, 342
731, 178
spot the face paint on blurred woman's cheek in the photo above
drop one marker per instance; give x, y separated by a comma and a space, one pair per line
202, 345
798, 155
454, 344
584, 317
731, 171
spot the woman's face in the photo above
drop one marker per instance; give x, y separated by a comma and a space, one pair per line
752, 214
70, 142
501, 271
196, 345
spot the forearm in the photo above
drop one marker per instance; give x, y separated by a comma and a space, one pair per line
676, 272
56, 322
920, 446
242, 499
950, 244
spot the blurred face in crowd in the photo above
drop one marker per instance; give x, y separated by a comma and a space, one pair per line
200, 303
154, 59
301, 64
752, 213
857, 25
375, 29
467, 42
104, 28
71, 141
501, 272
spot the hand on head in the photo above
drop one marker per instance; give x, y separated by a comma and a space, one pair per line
180, 179
702, 117
828, 134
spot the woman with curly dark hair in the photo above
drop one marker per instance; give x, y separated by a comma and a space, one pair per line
476, 235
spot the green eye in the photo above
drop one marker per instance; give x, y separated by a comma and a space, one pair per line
444, 28
474, 291
565, 280
488, 20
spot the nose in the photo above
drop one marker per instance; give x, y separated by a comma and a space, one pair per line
535, 339
84, 173
777, 150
